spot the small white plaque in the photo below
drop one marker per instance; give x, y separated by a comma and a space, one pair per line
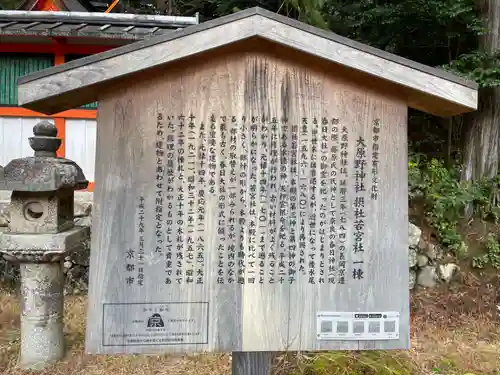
357, 325
159, 324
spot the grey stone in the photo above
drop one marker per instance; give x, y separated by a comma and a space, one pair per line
82, 208
4, 213
42, 340
80, 195
85, 221
447, 271
422, 244
47, 212
44, 172
433, 252
413, 277
42, 247
84, 196
412, 257
422, 260
81, 257
41, 234
414, 234
427, 277
5, 195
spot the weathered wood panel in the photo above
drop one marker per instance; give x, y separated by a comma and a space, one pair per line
80, 144
282, 189
81, 82
14, 134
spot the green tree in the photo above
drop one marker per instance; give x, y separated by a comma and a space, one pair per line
481, 147
10, 4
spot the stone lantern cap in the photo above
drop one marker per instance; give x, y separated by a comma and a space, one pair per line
43, 172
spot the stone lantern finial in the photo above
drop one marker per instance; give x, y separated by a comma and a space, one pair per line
43, 172
45, 141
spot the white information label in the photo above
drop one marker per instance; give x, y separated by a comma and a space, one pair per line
357, 325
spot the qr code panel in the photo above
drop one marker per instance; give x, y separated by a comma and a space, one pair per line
326, 326
358, 327
390, 326
374, 327
342, 327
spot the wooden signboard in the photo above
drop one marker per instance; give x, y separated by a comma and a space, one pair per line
252, 197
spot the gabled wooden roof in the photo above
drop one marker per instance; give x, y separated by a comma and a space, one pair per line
79, 82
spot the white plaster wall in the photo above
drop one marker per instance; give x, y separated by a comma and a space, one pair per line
14, 134
81, 144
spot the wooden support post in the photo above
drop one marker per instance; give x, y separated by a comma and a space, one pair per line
252, 363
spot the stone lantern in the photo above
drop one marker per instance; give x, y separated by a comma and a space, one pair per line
40, 234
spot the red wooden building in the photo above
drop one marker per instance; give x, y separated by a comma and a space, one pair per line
44, 33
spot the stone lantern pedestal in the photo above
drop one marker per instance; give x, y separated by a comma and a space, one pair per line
41, 233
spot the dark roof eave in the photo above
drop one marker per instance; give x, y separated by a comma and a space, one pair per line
95, 18
84, 24
67, 5
69, 34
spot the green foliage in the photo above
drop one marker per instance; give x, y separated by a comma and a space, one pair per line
448, 367
355, 363
481, 67
309, 11
10, 4
375, 362
487, 198
445, 197
433, 32
492, 256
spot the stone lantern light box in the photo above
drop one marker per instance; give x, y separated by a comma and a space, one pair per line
251, 188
